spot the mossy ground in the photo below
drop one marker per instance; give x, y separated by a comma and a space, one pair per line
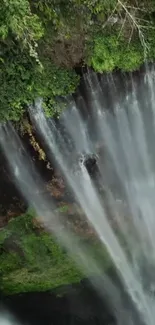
32, 260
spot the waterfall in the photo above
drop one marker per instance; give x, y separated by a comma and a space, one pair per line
7, 319
120, 133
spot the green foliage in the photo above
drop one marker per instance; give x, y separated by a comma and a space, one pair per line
17, 19
97, 6
16, 73
63, 209
54, 81
25, 74
131, 57
53, 107
34, 261
104, 56
22, 80
110, 51
150, 35
42, 41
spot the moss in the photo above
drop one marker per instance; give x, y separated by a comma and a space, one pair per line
34, 261
64, 208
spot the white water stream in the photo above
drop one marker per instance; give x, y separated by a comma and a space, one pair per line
126, 171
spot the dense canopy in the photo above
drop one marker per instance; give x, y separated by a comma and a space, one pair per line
43, 41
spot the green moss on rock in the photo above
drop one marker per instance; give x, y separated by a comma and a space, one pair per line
32, 260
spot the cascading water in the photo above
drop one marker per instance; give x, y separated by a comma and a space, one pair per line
7, 319
119, 132
31, 187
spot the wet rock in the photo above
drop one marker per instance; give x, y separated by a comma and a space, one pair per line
90, 162
80, 305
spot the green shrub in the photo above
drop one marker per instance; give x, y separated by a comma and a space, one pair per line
42, 41
109, 52
22, 80
17, 22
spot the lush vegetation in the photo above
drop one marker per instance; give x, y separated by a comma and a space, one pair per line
32, 260
43, 41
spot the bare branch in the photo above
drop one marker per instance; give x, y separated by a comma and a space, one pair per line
123, 24
111, 15
136, 8
135, 25
131, 34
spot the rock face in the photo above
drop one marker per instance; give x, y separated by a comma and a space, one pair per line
79, 306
